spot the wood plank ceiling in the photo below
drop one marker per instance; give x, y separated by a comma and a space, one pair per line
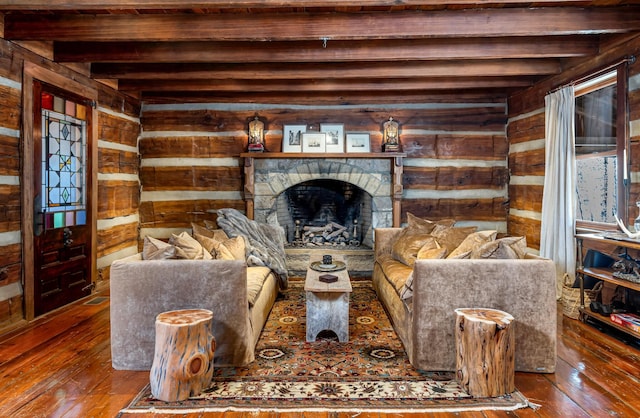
312, 51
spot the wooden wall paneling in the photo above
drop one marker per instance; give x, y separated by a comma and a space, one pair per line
118, 102
10, 111
117, 198
115, 161
180, 214
468, 209
10, 213
527, 128
9, 150
527, 163
10, 265
525, 227
456, 146
191, 178
118, 130
164, 146
455, 178
526, 197
117, 238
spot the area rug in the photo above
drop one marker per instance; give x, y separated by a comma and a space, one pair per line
370, 372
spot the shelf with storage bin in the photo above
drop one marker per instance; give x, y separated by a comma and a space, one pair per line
616, 243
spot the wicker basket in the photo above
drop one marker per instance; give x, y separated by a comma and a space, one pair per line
571, 297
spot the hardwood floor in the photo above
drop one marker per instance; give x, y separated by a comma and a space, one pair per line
60, 366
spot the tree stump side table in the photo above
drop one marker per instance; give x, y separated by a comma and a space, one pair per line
183, 357
485, 347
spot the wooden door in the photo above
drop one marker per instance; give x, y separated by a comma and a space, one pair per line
61, 198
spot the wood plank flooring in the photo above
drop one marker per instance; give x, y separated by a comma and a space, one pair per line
60, 366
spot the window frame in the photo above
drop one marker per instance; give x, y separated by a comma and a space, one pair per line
592, 83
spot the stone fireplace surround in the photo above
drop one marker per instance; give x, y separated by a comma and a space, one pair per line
269, 175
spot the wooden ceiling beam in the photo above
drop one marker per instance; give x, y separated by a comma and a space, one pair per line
274, 71
63, 5
503, 22
335, 51
332, 98
323, 85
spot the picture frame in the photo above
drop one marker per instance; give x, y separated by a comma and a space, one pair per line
335, 136
292, 137
358, 142
314, 142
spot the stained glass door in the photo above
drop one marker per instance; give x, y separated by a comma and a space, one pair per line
61, 233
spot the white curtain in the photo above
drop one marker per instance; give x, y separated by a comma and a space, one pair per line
557, 240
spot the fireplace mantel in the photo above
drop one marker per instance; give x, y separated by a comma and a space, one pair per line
396, 173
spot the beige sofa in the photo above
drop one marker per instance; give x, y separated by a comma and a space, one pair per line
240, 297
525, 288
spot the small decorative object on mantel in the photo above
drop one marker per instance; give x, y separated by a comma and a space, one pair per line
256, 135
328, 278
391, 136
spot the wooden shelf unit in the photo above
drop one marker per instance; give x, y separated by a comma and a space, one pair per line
589, 241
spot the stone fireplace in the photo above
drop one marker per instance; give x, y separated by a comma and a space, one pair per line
345, 198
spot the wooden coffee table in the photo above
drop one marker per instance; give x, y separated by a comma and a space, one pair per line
327, 303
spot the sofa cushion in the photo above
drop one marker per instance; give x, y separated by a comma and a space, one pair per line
256, 277
229, 249
155, 249
218, 234
473, 242
405, 248
188, 247
395, 272
425, 225
451, 237
507, 248
431, 253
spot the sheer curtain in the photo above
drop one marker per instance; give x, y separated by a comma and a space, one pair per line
558, 200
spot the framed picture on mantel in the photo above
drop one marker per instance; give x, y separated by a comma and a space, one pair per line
335, 136
358, 142
314, 142
292, 137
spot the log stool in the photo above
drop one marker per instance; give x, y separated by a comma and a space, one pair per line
183, 357
485, 361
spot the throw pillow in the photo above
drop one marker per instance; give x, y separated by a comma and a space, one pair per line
188, 247
473, 242
155, 249
426, 225
451, 237
431, 253
229, 249
405, 248
506, 248
407, 290
218, 234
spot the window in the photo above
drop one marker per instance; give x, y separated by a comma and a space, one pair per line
600, 151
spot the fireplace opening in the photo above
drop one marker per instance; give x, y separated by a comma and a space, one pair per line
325, 213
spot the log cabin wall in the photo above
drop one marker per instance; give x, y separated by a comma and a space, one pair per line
456, 164
118, 185
526, 134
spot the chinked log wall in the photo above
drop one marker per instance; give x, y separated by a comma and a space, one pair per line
526, 133
455, 164
118, 184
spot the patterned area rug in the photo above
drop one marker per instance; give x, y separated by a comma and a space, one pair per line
370, 372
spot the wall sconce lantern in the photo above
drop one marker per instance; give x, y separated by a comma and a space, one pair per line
391, 136
256, 135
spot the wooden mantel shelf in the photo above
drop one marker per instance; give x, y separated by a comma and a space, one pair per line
294, 155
